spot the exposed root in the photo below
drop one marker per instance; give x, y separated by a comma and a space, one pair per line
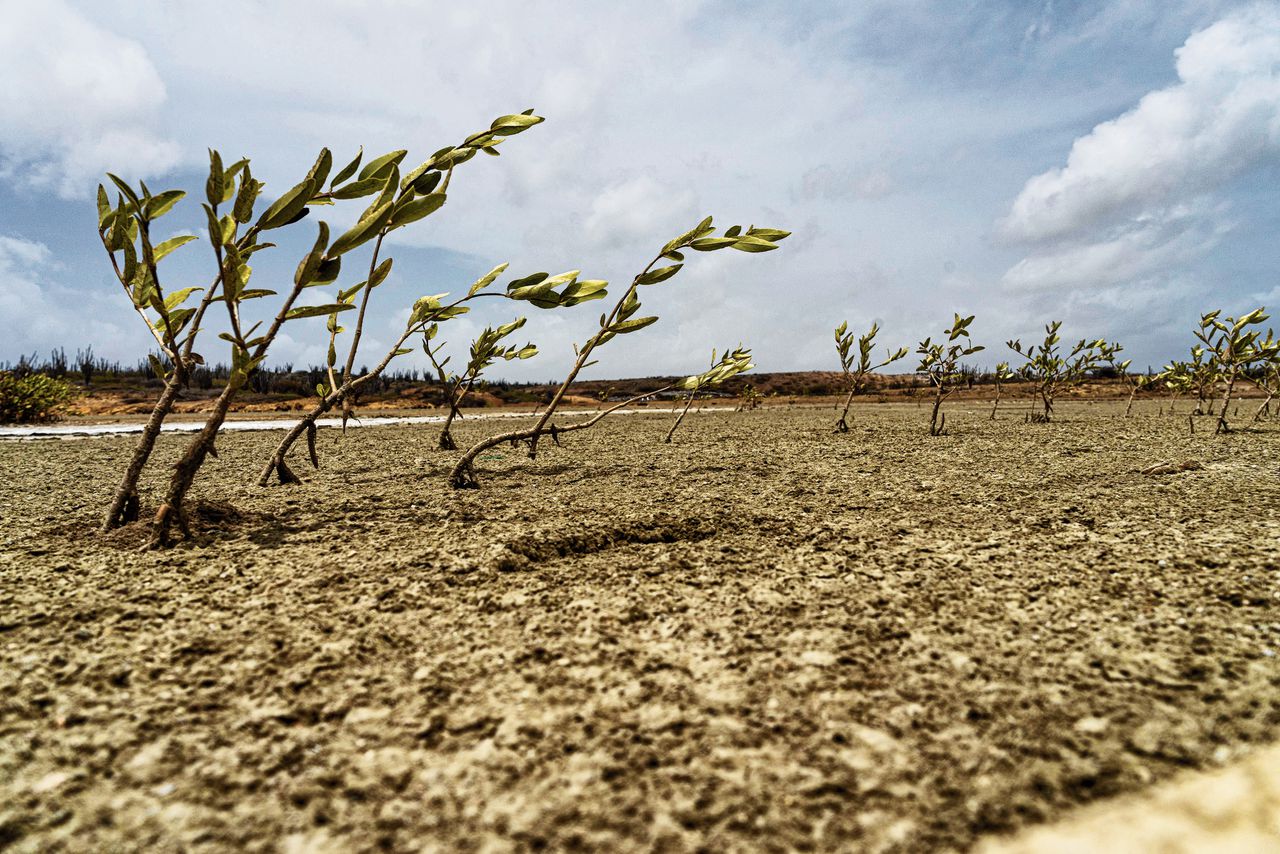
286, 474
465, 479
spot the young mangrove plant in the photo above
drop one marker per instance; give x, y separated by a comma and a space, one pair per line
1267, 378
857, 367
1108, 353
1202, 371
1050, 372
426, 311
486, 349
940, 363
398, 202
620, 320
126, 231
1000, 377
732, 363
1234, 348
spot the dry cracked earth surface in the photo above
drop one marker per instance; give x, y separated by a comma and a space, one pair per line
763, 636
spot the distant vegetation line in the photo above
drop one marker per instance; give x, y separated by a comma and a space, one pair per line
289, 381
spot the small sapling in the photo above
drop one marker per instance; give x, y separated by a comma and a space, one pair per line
857, 366
729, 365
620, 320
1049, 371
940, 363
1233, 349
486, 349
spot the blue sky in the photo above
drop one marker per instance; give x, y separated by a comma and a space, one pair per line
1112, 165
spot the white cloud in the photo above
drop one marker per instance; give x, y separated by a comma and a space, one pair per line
1221, 118
78, 99
1150, 243
35, 314
887, 136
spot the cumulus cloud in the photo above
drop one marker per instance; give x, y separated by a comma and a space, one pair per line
1150, 243
77, 99
887, 136
34, 316
1220, 119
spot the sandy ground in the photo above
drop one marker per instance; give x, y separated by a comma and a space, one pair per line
763, 636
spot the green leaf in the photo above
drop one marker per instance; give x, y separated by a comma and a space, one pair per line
363, 231
227, 230
157, 366
532, 292
773, 235
583, 290
177, 298
380, 273
316, 310
215, 186
753, 244
508, 125
255, 293
659, 275
427, 182
104, 206
247, 197
376, 166
171, 244
525, 282
625, 326
350, 169
320, 171
359, 189
215, 227
287, 206
417, 209
328, 271
710, 244
309, 267
127, 190
158, 206
487, 279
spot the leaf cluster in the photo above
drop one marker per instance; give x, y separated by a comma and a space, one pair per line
940, 360
730, 364
1049, 368
857, 364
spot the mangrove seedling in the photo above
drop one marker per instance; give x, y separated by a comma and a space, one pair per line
486, 349
1050, 372
125, 232
1233, 349
426, 311
398, 202
620, 320
857, 366
940, 363
729, 365
1000, 377
1108, 353
128, 232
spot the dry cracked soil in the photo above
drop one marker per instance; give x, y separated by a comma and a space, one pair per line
763, 636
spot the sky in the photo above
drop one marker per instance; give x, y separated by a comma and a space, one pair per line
1110, 165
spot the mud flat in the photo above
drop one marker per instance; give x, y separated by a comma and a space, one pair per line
760, 636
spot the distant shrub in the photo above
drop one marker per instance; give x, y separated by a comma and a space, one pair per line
31, 398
